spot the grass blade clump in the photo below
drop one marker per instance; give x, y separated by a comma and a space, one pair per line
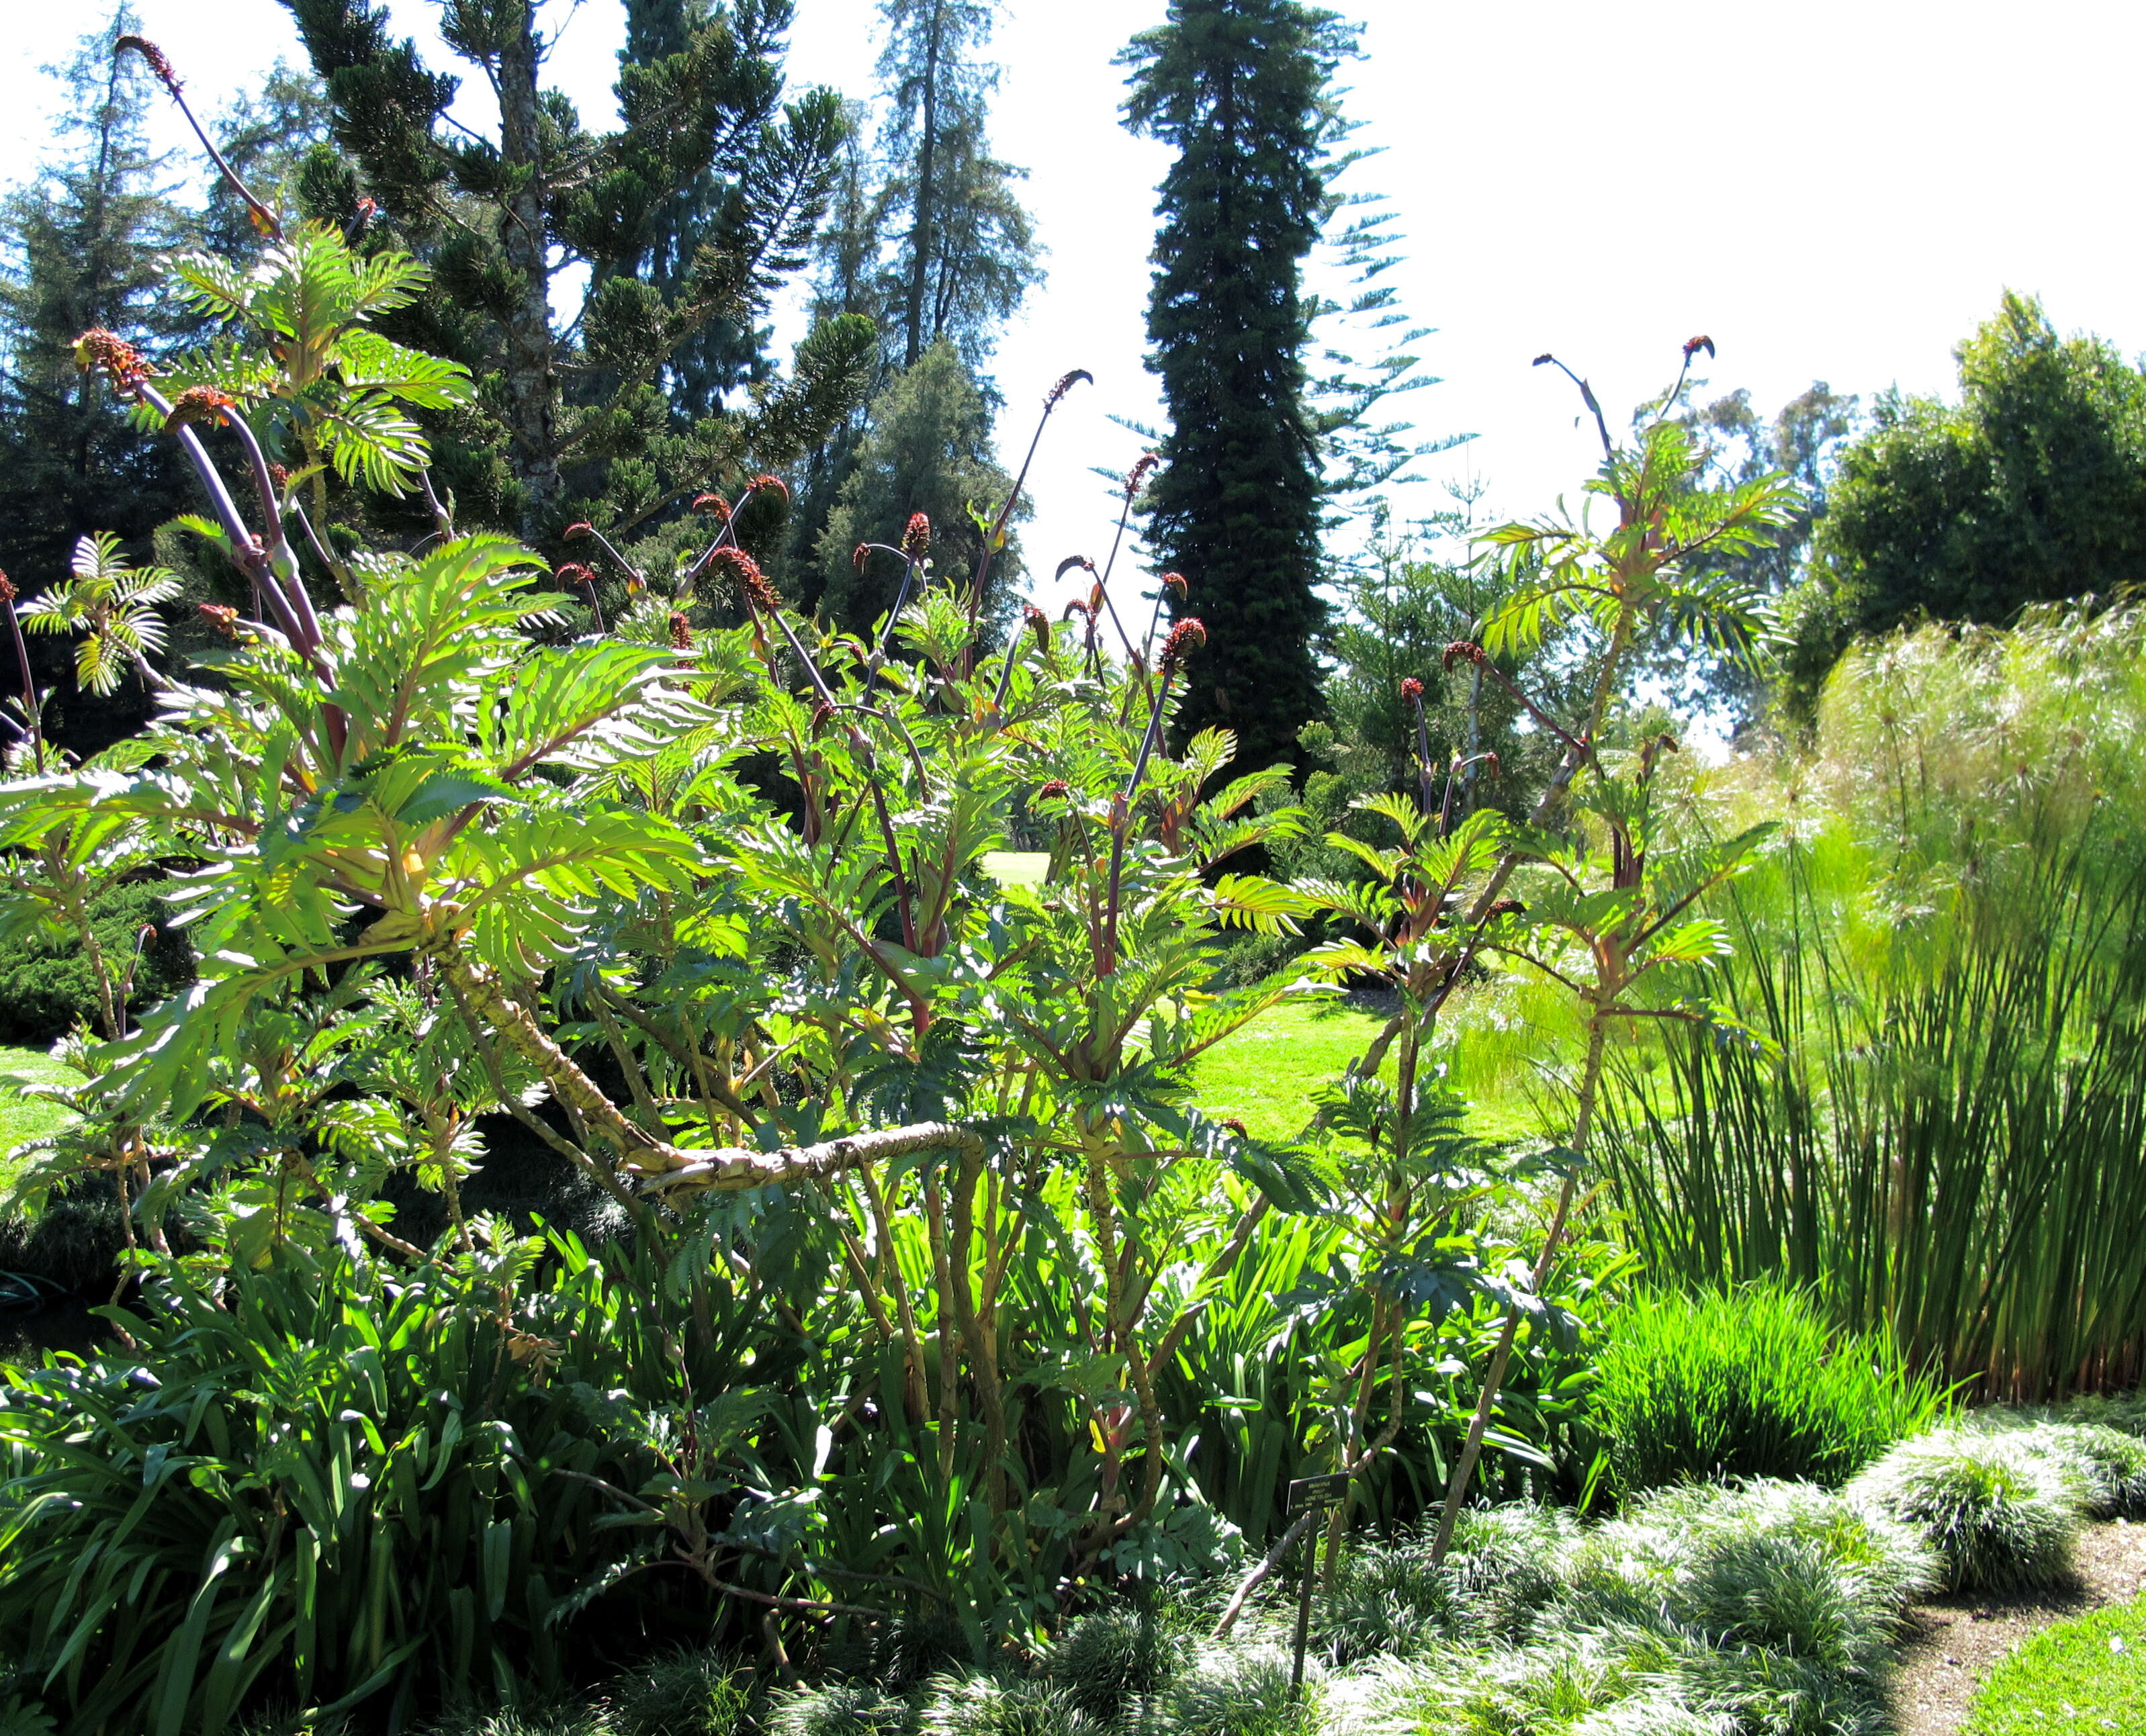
1235, 1692
685, 1693
1391, 1599
1698, 1555
2003, 1516
2111, 1464
1548, 1686
1108, 1661
1746, 1383
1508, 1562
840, 1709
1762, 1693
985, 1705
1650, 1714
2125, 1412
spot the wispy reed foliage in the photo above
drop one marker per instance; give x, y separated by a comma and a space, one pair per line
1945, 949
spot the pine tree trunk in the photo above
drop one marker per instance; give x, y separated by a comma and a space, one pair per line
528, 369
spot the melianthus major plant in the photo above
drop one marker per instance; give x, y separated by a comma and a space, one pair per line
1604, 887
702, 902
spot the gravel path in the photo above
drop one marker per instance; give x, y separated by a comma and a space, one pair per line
1953, 1643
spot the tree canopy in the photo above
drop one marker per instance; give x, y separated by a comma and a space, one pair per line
2031, 488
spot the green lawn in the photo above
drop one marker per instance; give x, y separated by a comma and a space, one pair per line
1017, 867
2087, 1675
1264, 1075
25, 1118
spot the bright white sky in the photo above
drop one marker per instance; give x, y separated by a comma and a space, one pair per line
1833, 190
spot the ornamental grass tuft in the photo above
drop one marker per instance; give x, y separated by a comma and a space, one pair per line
1746, 1383
2003, 1516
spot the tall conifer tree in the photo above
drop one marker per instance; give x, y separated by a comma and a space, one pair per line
1241, 88
688, 215
964, 254
84, 241
928, 237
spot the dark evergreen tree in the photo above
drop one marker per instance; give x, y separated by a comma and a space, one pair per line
688, 216
81, 242
727, 353
927, 448
1241, 88
927, 237
964, 253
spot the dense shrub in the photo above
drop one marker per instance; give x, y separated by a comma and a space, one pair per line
2004, 1515
48, 986
1747, 1383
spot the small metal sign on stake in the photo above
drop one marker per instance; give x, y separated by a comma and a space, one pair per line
1308, 1496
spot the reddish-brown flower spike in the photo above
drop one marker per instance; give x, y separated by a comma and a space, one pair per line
1139, 473
1186, 637
224, 621
821, 713
1056, 791
98, 347
1237, 1127
575, 574
280, 477
159, 63
1066, 384
577, 531
1507, 907
682, 631
1539, 360
1693, 345
7, 592
1464, 650
858, 555
1077, 608
713, 503
199, 404
742, 567
1412, 689
1174, 584
765, 484
917, 537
